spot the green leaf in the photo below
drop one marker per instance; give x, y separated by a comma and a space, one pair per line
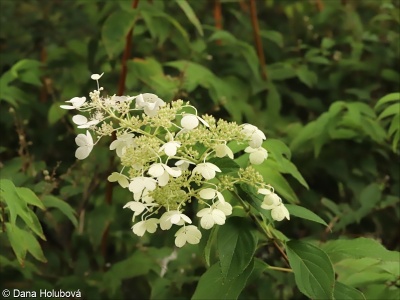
312, 269
236, 244
187, 9
50, 201
213, 285
115, 29
226, 164
304, 213
29, 197
306, 76
393, 109
345, 292
388, 98
22, 242
358, 248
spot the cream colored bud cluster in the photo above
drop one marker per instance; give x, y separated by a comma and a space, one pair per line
169, 157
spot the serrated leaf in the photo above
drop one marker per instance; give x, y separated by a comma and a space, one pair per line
236, 244
213, 285
312, 269
187, 9
304, 213
50, 201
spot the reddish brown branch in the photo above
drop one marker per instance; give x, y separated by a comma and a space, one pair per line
320, 5
121, 90
257, 38
217, 17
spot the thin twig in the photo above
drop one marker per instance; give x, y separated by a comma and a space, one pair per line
257, 38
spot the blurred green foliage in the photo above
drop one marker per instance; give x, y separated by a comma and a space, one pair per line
331, 93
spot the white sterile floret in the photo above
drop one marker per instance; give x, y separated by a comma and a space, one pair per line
150, 103
85, 143
183, 164
190, 121
138, 184
162, 172
76, 102
271, 199
210, 216
280, 212
96, 76
83, 122
223, 150
136, 207
209, 193
207, 170
149, 225
177, 217
187, 234
122, 142
225, 207
257, 155
254, 135
170, 148
122, 179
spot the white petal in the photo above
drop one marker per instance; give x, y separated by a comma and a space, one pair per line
67, 107
113, 177
189, 122
207, 193
180, 240
186, 218
264, 191
139, 228
163, 179
218, 216
207, 221
203, 121
151, 225
172, 172
220, 197
96, 76
156, 170
79, 119
137, 185
213, 167
149, 183
203, 212
83, 152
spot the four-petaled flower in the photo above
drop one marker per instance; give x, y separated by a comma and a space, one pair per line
187, 234
254, 135
85, 143
122, 142
140, 184
207, 170
162, 172
150, 103
210, 216
149, 225
170, 148
83, 122
274, 203
76, 102
122, 179
257, 155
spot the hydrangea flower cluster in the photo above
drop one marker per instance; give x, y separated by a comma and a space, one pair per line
165, 151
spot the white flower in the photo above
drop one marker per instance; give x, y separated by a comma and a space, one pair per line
83, 122
255, 135
85, 143
136, 207
76, 102
210, 216
138, 184
173, 217
280, 212
223, 150
225, 207
257, 155
150, 103
170, 148
271, 199
208, 194
207, 170
96, 76
121, 99
187, 234
149, 225
122, 179
183, 164
122, 142
190, 121
162, 172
